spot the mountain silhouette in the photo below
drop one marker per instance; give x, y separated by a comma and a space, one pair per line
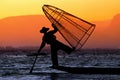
22, 30
106, 34
115, 23
114, 31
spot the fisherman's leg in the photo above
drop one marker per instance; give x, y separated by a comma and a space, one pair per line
65, 48
54, 56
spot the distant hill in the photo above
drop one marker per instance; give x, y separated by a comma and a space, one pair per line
114, 31
22, 30
106, 34
115, 23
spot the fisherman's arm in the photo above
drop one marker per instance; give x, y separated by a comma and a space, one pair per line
42, 45
55, 29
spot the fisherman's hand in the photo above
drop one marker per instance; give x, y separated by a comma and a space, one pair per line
53, 25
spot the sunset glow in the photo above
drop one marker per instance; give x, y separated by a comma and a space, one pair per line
21, 20
87, 9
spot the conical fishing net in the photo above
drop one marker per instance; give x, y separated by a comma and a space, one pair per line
75, 31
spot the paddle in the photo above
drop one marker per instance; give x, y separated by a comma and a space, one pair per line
33, 64
36, 56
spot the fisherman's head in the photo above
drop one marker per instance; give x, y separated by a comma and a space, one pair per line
44, 30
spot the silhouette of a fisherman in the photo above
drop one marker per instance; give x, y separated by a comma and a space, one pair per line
55, 45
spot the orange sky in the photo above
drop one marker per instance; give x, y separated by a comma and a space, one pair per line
87, 9
19, 32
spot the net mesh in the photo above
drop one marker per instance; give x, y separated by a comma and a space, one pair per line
75, 30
